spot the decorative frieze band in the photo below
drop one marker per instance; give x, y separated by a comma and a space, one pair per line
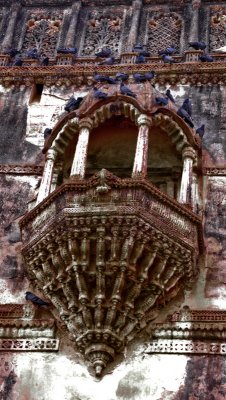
188, 315
216, 171
185, 347
21, 169
80, 73
29, 344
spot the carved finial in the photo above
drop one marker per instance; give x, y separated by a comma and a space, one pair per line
103, 187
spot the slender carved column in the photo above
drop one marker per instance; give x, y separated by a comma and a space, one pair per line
194, 27
79, 162
189, 156
195, 193
47, 176
7, 41
137, 4
141, 156
70, 38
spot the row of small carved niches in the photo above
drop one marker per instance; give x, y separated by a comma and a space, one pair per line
90, 28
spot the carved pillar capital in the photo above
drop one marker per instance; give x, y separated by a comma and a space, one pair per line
51, 154
144, 120
189, 152
86, 123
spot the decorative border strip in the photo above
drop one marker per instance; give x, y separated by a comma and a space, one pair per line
189, 72
187, 315
215, 171
21, 169
185, 347
29, 344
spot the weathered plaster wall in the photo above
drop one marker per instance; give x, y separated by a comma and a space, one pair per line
156, 377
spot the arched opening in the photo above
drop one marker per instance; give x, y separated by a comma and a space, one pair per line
164, 162
64, 161
112, 146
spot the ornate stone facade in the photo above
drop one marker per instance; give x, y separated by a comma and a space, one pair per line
117, 218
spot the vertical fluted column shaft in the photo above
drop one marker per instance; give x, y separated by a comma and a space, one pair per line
195, 193
45, 186
136, 6
79, 161
7, 41
70, 37
141, 156
189, 157
194, 27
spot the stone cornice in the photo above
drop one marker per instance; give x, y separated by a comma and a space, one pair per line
20, 331
40, 344
190, 331
186, 347
79, 74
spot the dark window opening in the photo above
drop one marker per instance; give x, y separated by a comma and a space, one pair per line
36, 93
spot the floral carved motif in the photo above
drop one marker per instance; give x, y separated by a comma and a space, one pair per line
42, 32
217, 26
163, 30
103, 30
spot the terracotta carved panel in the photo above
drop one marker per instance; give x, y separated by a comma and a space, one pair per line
163, 30
42, 31
103, 29
217, 26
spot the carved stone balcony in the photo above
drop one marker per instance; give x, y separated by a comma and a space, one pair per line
109, 253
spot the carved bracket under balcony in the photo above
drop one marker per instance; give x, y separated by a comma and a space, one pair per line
109, 253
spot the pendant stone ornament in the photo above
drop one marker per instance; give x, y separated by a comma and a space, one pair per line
109, 253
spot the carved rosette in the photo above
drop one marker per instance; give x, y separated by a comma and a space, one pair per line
110, 259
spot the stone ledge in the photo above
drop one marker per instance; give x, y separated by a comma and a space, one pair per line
21, 169
185, 347
29, 344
